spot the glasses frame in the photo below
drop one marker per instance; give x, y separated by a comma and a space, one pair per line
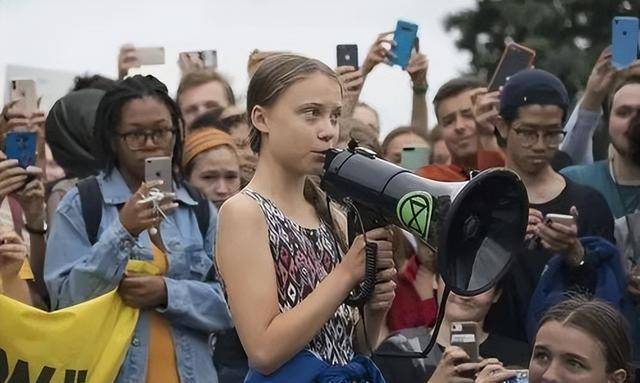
520, 133
148, 134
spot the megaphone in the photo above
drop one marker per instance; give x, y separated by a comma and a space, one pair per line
475, 226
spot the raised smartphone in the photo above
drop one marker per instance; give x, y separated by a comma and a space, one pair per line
347, 55
159, 168
515, 58
413, 158
404, 38
624, 41
150, 55
21, 146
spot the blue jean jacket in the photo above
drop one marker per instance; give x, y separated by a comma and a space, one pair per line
75, 272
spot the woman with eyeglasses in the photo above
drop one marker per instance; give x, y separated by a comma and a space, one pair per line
180, 303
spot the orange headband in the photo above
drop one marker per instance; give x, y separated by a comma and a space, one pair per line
203, 140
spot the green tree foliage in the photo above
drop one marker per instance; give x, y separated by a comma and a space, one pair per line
567, 35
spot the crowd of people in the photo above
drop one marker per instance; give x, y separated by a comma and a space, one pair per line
240, 268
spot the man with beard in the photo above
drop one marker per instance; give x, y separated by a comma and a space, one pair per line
618, 179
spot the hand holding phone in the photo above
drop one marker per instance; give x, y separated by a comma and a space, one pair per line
143, 211
417, 68
560, 235
195, 60
127, 59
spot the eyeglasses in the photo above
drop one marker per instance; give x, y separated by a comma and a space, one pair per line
137, 140
551, 138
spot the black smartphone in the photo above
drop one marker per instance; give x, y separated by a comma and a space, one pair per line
515, 58
347, 55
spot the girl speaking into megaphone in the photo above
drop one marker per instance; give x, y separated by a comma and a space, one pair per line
278, 249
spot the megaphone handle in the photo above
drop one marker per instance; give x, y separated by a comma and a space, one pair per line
371, 252
369, 283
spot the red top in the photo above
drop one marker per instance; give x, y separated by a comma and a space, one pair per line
485, 159
408, 310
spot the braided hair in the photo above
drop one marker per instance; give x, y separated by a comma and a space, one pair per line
109, 113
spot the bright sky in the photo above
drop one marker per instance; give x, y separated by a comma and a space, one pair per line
84, 36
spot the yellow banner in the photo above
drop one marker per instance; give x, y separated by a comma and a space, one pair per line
82, 343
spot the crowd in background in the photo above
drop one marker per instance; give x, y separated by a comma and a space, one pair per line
568, 309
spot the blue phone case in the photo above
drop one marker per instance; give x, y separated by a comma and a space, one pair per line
624, 41
21, 146
404, 37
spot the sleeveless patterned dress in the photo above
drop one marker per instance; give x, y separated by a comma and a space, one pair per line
303, 258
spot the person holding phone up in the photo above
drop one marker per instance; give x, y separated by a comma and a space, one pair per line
22, 193
381, 52
152, 251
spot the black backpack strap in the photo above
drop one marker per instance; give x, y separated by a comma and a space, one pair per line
201, 210
91, 203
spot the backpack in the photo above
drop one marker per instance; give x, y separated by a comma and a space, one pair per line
91, 201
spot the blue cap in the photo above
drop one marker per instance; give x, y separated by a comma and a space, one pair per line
532, 86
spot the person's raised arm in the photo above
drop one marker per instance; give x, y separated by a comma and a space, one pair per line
127, 59
417, 69
585, 117
487, 117
31, 199
379, 52
352, 81
270, 338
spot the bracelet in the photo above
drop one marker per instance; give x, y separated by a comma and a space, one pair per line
42, 231
420, 89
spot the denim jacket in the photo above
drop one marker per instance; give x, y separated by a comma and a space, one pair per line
75, 272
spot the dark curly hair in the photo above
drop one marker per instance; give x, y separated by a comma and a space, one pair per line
109, 114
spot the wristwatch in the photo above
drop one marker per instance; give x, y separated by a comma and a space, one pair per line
42, 231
